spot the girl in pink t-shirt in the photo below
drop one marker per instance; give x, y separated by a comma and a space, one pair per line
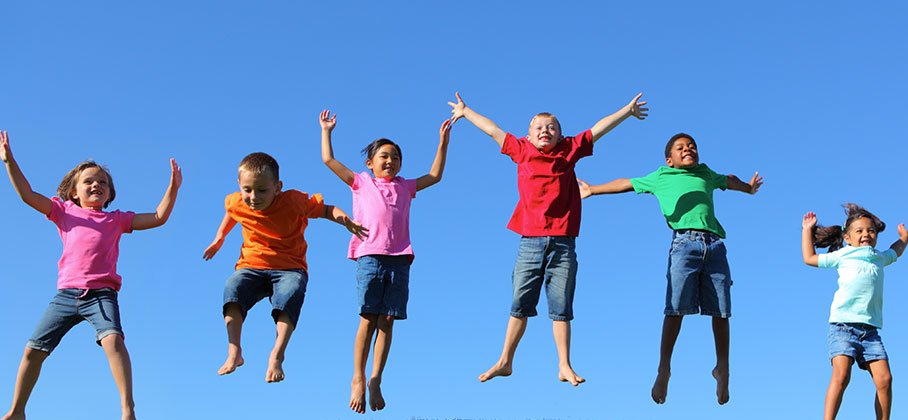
88, 281
381, 202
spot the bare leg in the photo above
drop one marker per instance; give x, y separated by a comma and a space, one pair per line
29, 369
671, 326
516, 328
720, 372
121, 368
841, 375
882, 378
233, 318
380, 358
561, 330
367, 324
275, 371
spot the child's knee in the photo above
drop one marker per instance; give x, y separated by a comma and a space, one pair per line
385, 321
113, 341
35, 355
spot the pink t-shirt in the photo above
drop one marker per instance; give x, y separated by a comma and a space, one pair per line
549, 202
383, 207
91, 245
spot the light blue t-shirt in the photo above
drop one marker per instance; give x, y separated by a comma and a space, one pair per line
860, 295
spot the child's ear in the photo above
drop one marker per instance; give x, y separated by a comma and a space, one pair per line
278, 186
668, 162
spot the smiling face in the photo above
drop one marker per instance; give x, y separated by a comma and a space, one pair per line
683, 154
91, 189
545, 132
861, 232
385, 163
258, 191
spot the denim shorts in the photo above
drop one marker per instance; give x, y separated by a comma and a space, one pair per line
860, 342
69, 307
383, 284
286, 290
699, 280
549, 261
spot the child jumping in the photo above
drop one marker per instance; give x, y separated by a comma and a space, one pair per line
381, 202
88, 282
273, 256
857, 307
698, 276
547, 217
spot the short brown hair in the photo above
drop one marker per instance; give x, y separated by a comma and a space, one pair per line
258, 163
68, 184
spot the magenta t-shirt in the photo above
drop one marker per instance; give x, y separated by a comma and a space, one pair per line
383, 207
91, 245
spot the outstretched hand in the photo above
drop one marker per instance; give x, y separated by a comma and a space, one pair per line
326, 120
356, 228
5, 152
445, 131
810, 220
637, 108
176, 174
212, 249
755, 183
584, 188
903, 233
458, 108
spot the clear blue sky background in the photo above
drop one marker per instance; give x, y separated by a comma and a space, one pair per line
811, 95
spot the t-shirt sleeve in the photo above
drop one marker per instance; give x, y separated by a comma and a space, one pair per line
357, 181
830, 260
57, 210
584, 144
888, 257
314, 206
513, 147
645, 184
230, 202
717, 180
125, 219
410, 185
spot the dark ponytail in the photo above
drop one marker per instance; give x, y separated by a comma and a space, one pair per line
833, 237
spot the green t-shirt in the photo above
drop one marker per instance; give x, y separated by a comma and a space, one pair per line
685, 196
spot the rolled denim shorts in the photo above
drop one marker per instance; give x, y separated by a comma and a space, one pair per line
550, 261
286, 289
383, 284
860, 342
69, 307
699, 279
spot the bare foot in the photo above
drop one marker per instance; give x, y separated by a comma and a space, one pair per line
14, 416
376, 401
660, 387
566, 374
275, 371
721, 385
496, 370
358, 395
234, 360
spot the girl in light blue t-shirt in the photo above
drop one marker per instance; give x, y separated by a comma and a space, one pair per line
857, 307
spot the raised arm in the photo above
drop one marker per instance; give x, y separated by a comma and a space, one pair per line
338, 216
20, 184
461, 110
635, 107
328, 122
735, 183
619, 185
807, 248
438, 166
899, 245
226, 226
162, 213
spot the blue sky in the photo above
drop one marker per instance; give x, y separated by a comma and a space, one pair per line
810, 94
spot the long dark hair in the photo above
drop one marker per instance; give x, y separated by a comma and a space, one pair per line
832, 237
370, 150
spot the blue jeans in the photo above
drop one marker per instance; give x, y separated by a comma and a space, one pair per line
549, 261
69, 307
860, 342
286, 289
699, 279
383, 284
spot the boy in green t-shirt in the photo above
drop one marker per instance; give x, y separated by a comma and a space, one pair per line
698, 276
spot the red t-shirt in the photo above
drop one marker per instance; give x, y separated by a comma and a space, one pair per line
273, 238
549, 202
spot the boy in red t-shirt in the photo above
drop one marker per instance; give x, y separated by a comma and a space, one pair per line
548, 219
273, 257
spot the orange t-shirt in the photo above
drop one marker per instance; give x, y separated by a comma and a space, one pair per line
273, 238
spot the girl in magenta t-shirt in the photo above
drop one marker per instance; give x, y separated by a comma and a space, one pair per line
88, 281
381, 202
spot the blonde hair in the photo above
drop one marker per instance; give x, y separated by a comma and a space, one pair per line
546, 115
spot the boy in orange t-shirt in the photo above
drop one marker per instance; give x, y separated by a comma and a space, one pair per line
273, 257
